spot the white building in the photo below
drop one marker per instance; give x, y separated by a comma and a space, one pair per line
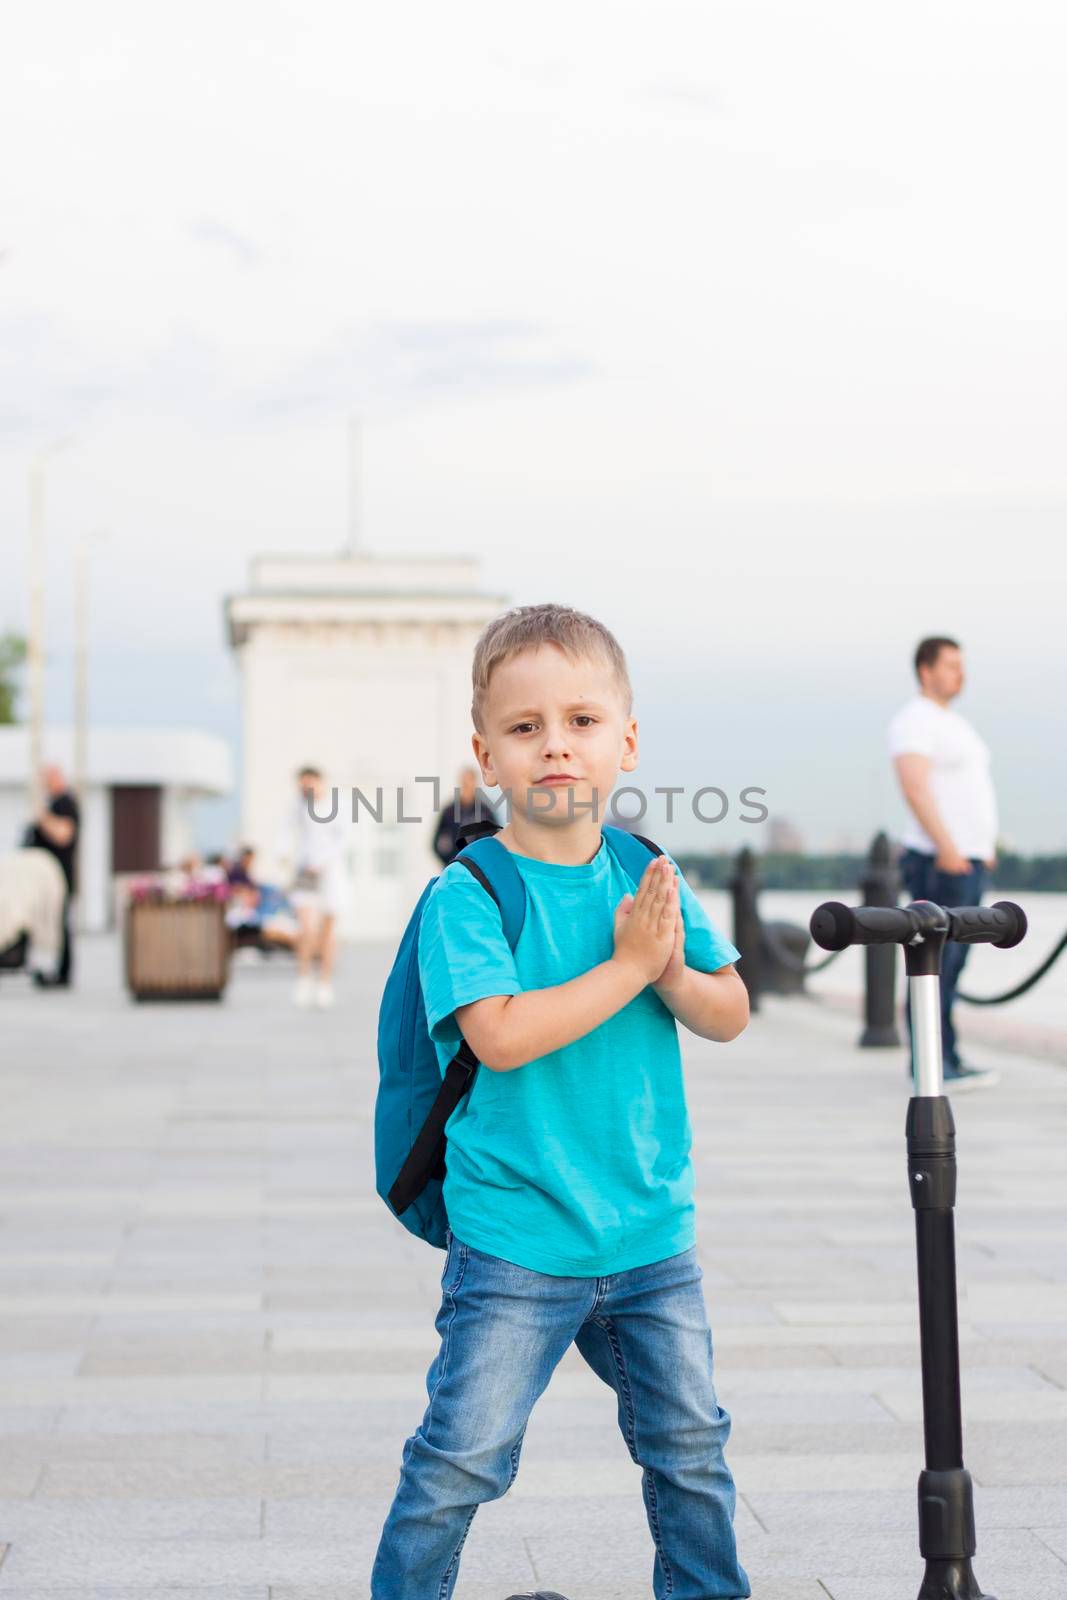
137, 814
360, 665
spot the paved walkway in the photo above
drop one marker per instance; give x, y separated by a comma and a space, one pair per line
214, 1338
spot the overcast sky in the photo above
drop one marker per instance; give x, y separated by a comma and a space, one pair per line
739, 324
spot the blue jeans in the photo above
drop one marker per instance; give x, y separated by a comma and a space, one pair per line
925, 881
503, 1330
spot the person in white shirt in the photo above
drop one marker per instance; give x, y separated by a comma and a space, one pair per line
943, 767
312, 846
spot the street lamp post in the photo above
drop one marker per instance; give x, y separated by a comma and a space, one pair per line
81, 665
35, 642
82, 552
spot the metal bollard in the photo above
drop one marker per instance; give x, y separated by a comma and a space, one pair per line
880, 885
748, 938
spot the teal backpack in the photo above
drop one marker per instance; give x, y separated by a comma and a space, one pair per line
414, 1103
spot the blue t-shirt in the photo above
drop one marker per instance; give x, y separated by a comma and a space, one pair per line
576, 1164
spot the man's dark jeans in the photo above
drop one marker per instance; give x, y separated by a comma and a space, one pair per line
923, 880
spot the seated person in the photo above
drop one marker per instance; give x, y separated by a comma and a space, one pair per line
239, 871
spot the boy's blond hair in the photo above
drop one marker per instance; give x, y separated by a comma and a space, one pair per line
526, 627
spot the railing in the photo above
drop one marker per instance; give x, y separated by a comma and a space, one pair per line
774, 954
1020, 988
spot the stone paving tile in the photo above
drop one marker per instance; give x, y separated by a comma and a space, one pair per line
835, 1380
306, 1447
828, 1335
334, 1592
248, 1323
165, 1479
120, 1592
321, 1363
1006, 1564
186, 1278
103, 1519
873, 1313
164, 1301
814, 1410
44, 1333
1051, 1362
179, 1390
153, 1239
1052, 1328
135, 1563
22, 1419
829, 1473
797, 1513
737, 1358
1027, 1405
19, 1479
17, 1366
1025, 1455
194, 1417
338, 1519
191, 1449
1055, 1539
1037, 1354
26, 1280
143, 1356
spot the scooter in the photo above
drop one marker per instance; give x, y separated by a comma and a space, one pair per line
946, 1500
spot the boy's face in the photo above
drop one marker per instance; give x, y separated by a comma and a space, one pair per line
549, 718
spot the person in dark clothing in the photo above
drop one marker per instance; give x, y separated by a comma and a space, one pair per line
466, 806
239, 871
55, 828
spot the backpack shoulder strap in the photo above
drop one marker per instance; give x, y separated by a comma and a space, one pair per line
632, 851
491, 863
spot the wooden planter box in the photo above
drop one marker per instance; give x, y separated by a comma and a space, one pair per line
177, 951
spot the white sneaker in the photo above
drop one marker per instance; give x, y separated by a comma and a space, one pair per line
304, 993
324, 994
964, 1079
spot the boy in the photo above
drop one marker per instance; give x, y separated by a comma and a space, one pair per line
569, 1184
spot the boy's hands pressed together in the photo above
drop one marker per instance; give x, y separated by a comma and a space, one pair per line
674, 972
646, 923
711, 1004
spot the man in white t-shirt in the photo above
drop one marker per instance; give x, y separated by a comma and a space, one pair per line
951, 834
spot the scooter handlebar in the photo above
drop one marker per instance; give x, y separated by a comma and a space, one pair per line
835, 926
1002, 924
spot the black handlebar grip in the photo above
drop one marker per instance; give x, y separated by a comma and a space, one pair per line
835, 926
1002, 924
832, 925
